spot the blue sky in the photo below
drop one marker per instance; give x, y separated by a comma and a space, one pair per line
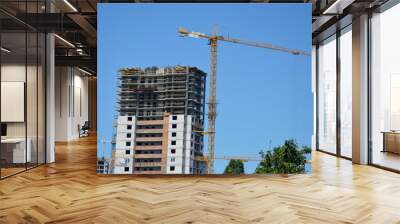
264, 96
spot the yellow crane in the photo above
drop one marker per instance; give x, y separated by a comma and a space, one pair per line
212, 99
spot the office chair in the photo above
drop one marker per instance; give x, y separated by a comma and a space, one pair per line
84, 130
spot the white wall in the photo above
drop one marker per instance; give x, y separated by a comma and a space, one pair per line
80, 105
61, 103
71, 102
182, 158
33, 126
122, 159
14, 73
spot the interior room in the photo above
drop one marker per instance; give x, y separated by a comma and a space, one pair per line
338, 85
22, 99
49, 143
385, 89
45, 85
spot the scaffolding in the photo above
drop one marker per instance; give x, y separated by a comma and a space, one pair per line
149, 97
153, 91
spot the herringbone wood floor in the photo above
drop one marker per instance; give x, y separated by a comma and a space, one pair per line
69, 191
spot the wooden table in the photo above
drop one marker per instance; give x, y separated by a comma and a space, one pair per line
391, 141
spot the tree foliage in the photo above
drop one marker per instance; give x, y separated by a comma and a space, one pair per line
306, 150
287, 158
234, 167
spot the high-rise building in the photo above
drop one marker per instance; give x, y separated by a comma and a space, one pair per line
160, 121
103, 166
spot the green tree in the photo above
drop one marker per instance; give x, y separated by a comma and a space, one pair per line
234, 167
306, 149
287, 158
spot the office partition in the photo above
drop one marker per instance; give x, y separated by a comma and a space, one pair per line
22, 77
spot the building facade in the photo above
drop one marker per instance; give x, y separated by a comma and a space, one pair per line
160, 121
103, 166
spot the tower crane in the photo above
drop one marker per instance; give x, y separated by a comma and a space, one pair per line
212, 99
223, 157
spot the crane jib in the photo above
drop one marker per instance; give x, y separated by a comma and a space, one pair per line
212, 104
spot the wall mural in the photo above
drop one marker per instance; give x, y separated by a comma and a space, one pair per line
181, 91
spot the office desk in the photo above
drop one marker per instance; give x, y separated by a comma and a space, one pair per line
13, 150
391, 142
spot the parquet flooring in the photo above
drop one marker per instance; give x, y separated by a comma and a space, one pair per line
69, 191
10, 171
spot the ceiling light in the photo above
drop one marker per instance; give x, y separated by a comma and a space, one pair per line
338, 6
70, 5
5, 50
65, 41
84, 71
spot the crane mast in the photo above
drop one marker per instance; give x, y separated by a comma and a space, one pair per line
212, 105
212, 98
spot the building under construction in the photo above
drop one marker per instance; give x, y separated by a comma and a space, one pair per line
160, 121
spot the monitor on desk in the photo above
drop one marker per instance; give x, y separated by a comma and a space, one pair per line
3, 130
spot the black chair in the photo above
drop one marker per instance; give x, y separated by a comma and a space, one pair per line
84, 130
